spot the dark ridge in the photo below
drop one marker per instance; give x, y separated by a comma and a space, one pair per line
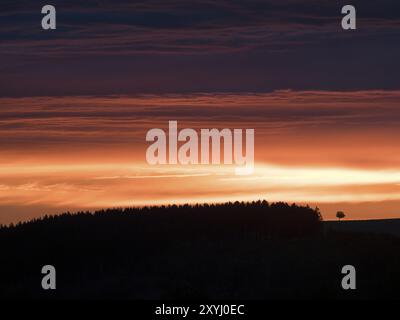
211, 220
235, 250
381, 226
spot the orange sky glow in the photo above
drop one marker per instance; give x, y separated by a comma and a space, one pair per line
335, 150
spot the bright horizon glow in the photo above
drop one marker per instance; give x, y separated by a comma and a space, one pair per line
108, 185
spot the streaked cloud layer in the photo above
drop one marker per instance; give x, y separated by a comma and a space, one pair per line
124, 27
125, 47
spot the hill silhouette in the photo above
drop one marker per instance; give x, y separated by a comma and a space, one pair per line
382, 226
235, 250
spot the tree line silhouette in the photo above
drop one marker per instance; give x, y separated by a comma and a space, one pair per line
258, 218
240, 250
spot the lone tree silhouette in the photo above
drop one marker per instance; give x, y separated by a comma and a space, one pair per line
340, 215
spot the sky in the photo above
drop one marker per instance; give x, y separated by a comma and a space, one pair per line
76, 103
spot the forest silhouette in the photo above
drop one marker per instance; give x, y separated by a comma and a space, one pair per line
255, 250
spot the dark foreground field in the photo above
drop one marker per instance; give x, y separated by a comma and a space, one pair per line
232, 251
384, 226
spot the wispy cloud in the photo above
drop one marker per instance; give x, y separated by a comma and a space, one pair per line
126, 119
121, 27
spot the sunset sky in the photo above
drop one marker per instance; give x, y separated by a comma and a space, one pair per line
76, 103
